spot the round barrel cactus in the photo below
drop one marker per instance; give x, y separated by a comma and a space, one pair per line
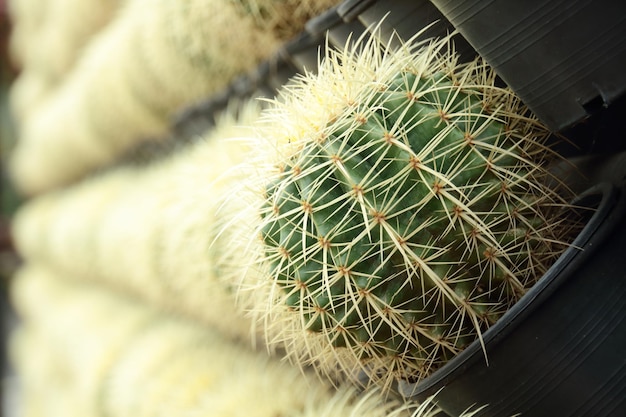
401, 205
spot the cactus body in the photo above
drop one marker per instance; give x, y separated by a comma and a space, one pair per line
406, 211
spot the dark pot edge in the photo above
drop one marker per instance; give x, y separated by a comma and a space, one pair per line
575, 255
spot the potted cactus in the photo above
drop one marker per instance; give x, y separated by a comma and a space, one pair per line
401, 203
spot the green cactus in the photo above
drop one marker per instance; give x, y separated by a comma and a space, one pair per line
406, 212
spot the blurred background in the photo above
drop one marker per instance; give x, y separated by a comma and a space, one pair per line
8, 204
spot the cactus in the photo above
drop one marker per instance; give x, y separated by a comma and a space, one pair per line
400, 206
152, 60
46, 42
71, 321
110, 355
47, 39
148, 229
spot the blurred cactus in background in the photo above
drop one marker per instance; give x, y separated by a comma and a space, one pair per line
9, 199
109, 355
148, 230
149, 61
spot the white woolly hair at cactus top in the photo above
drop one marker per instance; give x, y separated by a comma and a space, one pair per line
148, 230
108, 354
397, 208
153, 59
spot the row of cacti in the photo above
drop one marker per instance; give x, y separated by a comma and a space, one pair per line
378, 218
153, 58
88, 352
148, 230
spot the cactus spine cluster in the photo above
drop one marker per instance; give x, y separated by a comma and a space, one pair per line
401, 210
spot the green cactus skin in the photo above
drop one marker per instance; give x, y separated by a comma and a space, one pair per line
407, 222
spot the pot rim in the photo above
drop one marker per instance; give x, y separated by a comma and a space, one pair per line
578, 251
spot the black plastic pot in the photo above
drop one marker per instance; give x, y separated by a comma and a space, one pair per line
564, 58
561, 350
404, 18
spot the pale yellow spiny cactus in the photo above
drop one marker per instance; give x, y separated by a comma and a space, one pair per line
28, 91
67, 335
47, 39
48, 36
109, 354
36, 367
153, 59
28, 18
148, 230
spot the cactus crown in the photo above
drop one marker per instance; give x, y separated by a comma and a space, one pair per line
401, 206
